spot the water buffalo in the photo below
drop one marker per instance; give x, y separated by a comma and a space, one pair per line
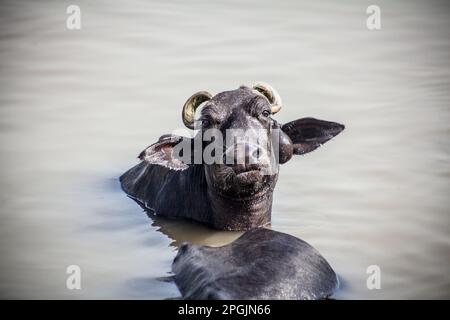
261, 264
225, 195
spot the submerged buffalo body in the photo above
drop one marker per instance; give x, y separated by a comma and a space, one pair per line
227, 195
261, 264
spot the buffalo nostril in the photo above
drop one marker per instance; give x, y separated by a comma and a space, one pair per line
251, 155
256, 154
244, 156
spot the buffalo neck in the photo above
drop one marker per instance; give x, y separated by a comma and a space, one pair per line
229, 213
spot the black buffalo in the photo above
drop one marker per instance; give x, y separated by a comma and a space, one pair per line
261, 264
224, 195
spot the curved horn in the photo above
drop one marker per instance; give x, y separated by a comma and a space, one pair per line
191, 105
271, 94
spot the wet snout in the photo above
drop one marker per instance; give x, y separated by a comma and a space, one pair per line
243, 157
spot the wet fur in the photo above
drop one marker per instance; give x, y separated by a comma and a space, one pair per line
261, 264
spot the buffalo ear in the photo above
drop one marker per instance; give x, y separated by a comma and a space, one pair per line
168, 152
307, 134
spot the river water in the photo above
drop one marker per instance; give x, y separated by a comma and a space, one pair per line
77, 106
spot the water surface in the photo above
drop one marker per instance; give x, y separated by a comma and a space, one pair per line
76, 107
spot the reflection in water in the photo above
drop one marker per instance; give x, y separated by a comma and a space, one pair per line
183, 230
186, 231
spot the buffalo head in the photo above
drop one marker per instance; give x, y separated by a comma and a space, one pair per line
225, 175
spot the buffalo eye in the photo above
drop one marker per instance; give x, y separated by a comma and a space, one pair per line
206, 123
266, 113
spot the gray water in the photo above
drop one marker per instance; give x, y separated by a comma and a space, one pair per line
76, 107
